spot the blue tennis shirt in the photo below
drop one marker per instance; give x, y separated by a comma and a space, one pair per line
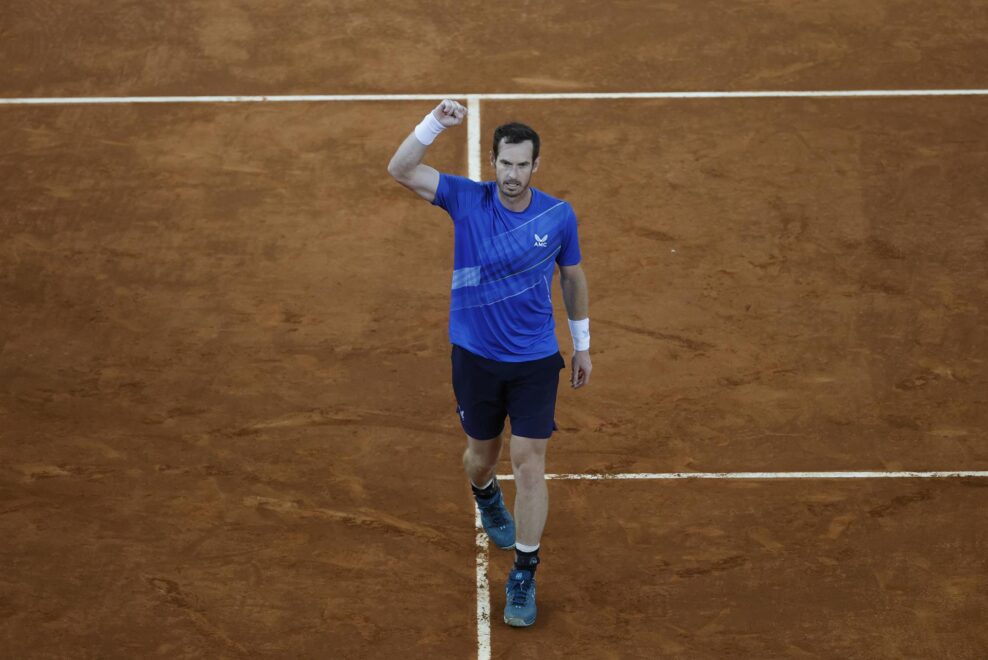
503, 264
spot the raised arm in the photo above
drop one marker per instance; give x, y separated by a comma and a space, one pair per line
406, 165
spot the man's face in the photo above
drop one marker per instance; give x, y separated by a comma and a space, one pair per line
513, 168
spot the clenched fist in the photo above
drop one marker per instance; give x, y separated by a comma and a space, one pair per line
449, 113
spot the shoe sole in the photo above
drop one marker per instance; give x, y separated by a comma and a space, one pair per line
518, 622
505, 547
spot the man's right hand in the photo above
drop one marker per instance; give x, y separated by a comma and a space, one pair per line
449, 113
406, 165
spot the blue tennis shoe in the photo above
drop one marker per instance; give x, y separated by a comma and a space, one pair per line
497, 522
519, 606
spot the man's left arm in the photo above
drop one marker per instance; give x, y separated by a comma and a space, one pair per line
573, 281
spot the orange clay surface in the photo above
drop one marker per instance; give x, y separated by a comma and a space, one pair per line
226, 423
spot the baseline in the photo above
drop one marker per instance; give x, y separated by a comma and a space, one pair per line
497, 96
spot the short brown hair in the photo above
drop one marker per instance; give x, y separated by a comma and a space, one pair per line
515, 133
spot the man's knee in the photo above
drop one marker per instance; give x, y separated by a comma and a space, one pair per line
477, 461
481, 455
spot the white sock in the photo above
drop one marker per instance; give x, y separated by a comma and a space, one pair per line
482, 487
527, 548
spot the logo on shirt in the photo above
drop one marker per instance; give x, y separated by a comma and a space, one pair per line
541, 241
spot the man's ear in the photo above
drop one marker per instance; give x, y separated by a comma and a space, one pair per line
535, 165
492, 157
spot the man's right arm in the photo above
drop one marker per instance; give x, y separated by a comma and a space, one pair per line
406, 165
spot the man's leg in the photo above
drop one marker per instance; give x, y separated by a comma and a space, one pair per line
531, 507
480, 463
482, 412
532, 406
531, 494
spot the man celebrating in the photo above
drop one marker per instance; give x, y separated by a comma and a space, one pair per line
506, 361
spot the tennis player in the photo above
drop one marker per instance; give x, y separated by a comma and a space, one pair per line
509, 237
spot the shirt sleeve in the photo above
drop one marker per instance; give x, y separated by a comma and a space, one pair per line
569, 254
454, 194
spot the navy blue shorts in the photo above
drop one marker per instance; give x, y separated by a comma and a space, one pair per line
487, 391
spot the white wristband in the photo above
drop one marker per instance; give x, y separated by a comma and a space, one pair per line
581, 334
428, 129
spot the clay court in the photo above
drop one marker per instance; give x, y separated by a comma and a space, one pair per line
228, 429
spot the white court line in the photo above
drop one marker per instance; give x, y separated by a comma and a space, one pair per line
483, 586
766, 475
483, 593
308, 98
473, 137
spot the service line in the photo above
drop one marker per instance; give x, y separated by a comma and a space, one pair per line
766, 475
